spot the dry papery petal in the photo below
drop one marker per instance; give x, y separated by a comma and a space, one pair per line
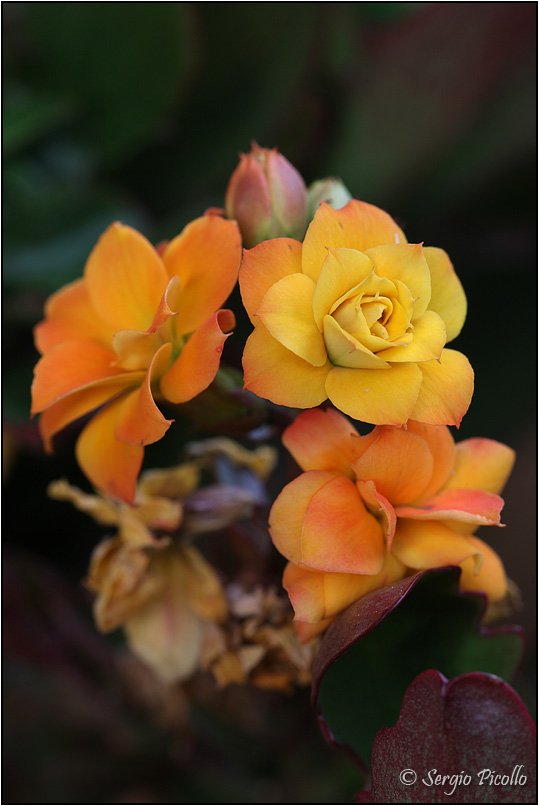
261, 460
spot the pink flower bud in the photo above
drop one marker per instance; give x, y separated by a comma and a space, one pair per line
267, 197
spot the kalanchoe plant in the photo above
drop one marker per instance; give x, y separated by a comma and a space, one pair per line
385, 574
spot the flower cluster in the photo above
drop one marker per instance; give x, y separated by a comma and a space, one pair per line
371, 509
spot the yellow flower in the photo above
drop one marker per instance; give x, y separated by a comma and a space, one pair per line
140, 325
357, 315
371, 509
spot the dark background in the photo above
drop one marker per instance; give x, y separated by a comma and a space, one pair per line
137, 112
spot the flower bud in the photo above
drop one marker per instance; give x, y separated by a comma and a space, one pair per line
329, 190
267, 197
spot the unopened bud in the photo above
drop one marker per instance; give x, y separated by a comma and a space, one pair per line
267, 197
329, 190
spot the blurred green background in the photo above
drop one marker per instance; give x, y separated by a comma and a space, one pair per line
137, 112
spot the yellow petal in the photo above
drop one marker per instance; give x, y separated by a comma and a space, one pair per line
446, 390
206, 257
110, 465
447, 295
442, 448
322, 440
125, 278
287, 513
70, 315
197, 364
273, 372
481, 464
420, 544
490, 578
399, 462
427, 343
339, 534
287, 313
265, 265
341, 271
99, 508
358, 225
81, 402
407, 264
383, 396
346, 351
139, 421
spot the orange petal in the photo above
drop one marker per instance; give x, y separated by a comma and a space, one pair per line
341, 271
197, 364
110, 465
428, 341
358, 225
465, 506
481, 464
68, 367
339, 534
79, 403
400, 464
206, 257
446, 390
490, 579
306, 591
405, 262
447, 295
273, 372
322, 440
287, 513
139, 421
383, 396
135, 349
420, 544
442, 449
287, 313
265, 265
70, 315
380, 508
343, 589
346, 351
125, 278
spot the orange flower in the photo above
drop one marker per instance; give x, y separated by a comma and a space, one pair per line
138, 325
357, 315
370, 508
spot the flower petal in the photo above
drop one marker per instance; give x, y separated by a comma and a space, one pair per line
405, 262
70, 315
339, 534
346, 351
206, 257
375, 395
447, 295
380, 508
197, 364
399, 462
68, 367
442, 449
264, 265
358, 225
482, 464
420, 544
288, 510
273, 372
139, 421
287, 313
428, 341
490, 578
110, 465
341, 271
81, 402
465, 506
322, 440
135, 349
446, 390
125, 278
